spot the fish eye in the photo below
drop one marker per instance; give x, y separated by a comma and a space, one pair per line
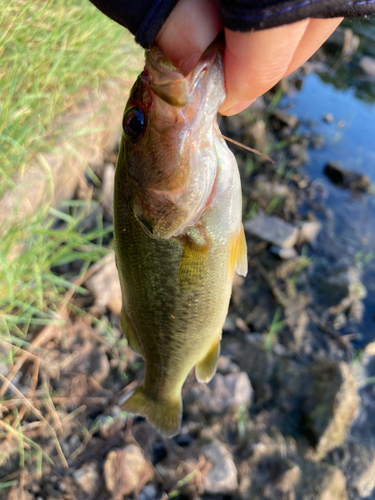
134, 123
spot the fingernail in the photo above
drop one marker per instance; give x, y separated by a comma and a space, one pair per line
237, 108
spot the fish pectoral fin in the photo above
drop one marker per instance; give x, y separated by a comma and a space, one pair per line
238, 253
128, 332
193, 265
206, 368
165, 415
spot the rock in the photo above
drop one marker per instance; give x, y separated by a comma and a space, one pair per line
16, 494
272, 229
328, 118
222, 476
286, 118
284, 253
126, 471
108, 187
232, 391
148, 493
298, 151
331, 406
320, 481
88, 479
308, 231
367, 65
347, 178
269, 472
340, 286
358, 465
251, 356
106, 286
222, 394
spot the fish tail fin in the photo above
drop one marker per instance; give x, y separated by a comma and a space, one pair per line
165, 415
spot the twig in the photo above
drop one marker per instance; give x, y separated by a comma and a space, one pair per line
40, 416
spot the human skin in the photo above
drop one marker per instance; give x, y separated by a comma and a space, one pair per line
253, 61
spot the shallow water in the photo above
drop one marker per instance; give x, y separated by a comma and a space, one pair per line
350, 140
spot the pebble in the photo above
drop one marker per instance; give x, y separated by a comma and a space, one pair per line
126, 470
222, 476
358, 465
367, 65
273, 230
308, 231
284, 253
328, 118
286, 118
88, 479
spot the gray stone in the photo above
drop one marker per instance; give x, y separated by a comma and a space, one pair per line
222, 476
88, 479
332, 404
308, 231
298, 151
320, 481
126, 471
273, 230
284, 253
358, 465
367, 65
222, 394
286, 118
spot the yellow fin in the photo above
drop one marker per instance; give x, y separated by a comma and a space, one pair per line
193, 265
165, 415
128, 332
206, 368
238, 253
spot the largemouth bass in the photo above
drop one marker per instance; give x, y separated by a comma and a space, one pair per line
178, 231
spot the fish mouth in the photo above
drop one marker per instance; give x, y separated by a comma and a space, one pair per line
168, 83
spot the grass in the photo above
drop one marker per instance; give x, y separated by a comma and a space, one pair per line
51, 53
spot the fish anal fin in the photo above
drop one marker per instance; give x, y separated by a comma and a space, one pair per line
238, 253
206, 368
194, 260
165, 415
128, 332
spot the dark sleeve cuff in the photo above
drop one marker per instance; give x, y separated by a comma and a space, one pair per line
143, 18
244, 15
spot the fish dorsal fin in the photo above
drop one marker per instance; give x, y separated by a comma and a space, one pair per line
238, 253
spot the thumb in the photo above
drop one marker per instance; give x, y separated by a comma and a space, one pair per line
190, 28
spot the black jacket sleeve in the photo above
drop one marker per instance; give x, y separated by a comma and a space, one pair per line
144, 18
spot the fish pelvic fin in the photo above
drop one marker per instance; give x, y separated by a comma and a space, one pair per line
206, 368
164, 415
194, 263
128, 332
238, 253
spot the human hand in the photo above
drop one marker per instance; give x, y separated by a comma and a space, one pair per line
253, 61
